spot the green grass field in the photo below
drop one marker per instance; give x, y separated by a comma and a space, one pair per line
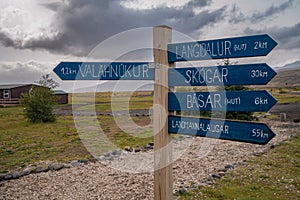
23, 143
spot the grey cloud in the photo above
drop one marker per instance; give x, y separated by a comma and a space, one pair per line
21, 72
84, 23
237, 16
271, 11
287, 37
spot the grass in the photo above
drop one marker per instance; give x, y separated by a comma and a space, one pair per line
285, 95
274, 175
23, 143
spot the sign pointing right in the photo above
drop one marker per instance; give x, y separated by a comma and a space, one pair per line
256, 133
247, 74
249, 101
247, 46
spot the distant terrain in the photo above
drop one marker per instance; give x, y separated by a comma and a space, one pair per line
286, 77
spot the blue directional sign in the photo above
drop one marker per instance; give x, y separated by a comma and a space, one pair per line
248, 46
105, 70
250, 101
248, 74
257, 133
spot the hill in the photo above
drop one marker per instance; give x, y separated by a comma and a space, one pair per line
294, 65
286, 78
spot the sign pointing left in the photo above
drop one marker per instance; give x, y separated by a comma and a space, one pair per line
105, 70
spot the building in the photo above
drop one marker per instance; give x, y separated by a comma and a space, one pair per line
11, 93
61, 96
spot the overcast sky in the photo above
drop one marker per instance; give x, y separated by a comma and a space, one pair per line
35, 35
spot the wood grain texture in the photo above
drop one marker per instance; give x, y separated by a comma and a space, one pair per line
163, 181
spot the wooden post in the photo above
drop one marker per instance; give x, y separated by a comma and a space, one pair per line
163, 181
283, 117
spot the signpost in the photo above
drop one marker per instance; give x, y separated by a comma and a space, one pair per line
248, 46
248, 74
250, 101
105, 70
256, 133
164, 122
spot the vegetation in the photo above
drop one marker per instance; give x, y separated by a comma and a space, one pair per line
24, 143
274, 175
38, 102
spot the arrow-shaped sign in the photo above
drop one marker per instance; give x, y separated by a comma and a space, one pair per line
105, 70
257, 133
248, 46
250, 101
248, 74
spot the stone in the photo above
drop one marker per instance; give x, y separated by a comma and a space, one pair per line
25, 172
67, 165
216, 176
16, 175
147, 147
128, 148
273, 145
2, 177
229, 167
75, 163
56, 166
8, 176
137, 150
221, 173
182, 191
92, 159
151, 143
85, 161
39, 169
257, 154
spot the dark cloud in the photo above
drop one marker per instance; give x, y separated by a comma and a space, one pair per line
238, 16
82, 24
273, 10
287, 37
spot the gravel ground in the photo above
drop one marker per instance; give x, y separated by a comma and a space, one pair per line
98, 181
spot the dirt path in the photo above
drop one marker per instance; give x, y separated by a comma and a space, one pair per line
96, 181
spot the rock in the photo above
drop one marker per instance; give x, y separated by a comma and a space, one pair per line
67, 165
151, 143
257, 154
208, 182
2, 177
75, 163
216, 176
229, 167
182, 191
210, 179
221, 173
39, 169
101, 158
16, 175
92, 159
85, 161
137, 150
25, 172
56, 166
274, 145
222, 170
147, 147
8, 176
128, 148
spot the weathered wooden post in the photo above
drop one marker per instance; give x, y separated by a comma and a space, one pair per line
163, 181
